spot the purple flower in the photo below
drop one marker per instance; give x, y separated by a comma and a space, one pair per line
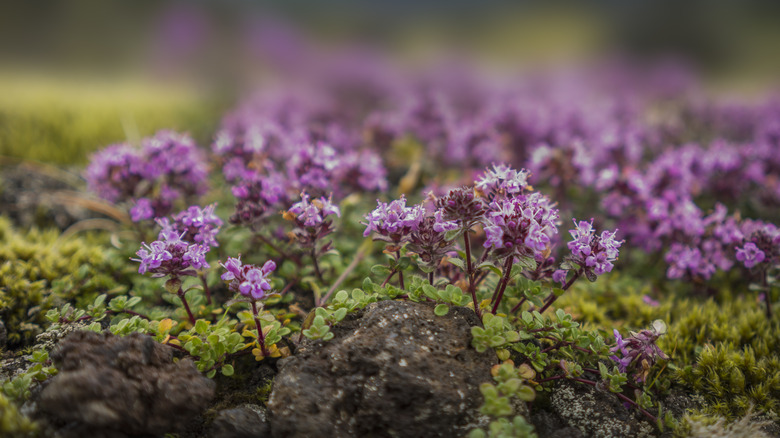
257, 196
114, 172
171, 256
750, 255
591, 252
312, 214
167, 168
559, 276
461, 205
248, 280
638, 352
310, 220
440, 225
233, 268
199, 225
312, 167
429, 243
521, 226
394, 221
142, 210
502, 180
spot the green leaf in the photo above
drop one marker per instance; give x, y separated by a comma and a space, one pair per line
525, 393
380, 270
453, 234
457, 262
201, 326
227, 370
489, 265
441, 310
340, 314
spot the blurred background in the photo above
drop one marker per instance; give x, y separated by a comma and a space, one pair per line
76, 76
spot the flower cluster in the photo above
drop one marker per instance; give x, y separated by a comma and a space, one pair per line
171, 256
394, 222
167, 168
639, 352
593, 253
429, 242
503, 181
195, 224
248, 280
461, 205
761, 244
310, 219
256, 196
521, 226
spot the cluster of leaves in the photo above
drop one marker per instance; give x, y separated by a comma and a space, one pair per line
511, 385
13, 423
40, 270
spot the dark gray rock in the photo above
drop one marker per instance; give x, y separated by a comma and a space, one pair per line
395, 369
122, 386
576, 409
245, 421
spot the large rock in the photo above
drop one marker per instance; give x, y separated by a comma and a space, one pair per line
122, 386
395, 369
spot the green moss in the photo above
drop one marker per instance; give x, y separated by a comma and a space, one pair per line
39, 271
724, 350
12, 423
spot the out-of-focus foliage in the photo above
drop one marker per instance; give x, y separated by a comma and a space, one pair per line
62, 122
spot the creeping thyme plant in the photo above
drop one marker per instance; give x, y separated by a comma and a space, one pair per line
594, 245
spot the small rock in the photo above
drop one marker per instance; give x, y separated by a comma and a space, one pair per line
245, 421
584, 409
396, 369
122, 386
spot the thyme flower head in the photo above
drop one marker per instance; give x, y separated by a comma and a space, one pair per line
594, 253
248, 280
394, 221
521, 226
195, 224
171, 256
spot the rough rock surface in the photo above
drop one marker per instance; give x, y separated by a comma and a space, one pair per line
394, 369
579, 410
122, 386
245, 421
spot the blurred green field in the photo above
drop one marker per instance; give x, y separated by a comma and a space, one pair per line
62, 121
